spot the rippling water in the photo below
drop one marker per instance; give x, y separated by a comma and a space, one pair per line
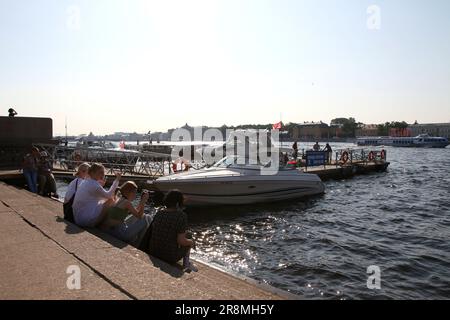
320, 248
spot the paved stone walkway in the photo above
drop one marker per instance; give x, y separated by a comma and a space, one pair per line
37, 247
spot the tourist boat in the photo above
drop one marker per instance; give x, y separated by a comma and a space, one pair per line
421, 141
230, 183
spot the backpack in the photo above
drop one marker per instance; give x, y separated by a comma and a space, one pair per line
68, 210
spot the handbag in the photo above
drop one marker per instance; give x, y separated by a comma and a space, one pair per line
68, 210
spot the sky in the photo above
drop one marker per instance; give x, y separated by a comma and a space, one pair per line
143, 65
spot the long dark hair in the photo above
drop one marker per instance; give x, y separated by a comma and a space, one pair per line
174, 198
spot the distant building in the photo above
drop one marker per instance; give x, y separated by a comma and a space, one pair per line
400, 132
433, 129
315, 131
336, 130
367, 130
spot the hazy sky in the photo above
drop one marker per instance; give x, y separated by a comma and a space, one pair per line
140, 65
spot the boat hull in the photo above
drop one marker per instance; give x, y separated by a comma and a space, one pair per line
242, 191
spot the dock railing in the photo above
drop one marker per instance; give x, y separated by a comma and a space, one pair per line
343, 157
150, 169
154, 165
150, 164
364, 156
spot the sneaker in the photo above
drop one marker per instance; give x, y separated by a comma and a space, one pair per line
190, 268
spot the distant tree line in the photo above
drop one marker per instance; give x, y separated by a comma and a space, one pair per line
384, 129
348, 125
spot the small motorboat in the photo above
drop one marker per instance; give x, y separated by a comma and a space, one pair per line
229, 182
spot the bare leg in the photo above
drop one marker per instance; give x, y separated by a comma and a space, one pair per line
187, 264
108, 204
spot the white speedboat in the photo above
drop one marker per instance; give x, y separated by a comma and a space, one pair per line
231, 183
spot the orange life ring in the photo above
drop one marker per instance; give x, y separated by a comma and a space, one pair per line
371, 156
344, 157
383, 154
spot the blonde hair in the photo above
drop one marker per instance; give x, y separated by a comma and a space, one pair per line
82, 167
94, 168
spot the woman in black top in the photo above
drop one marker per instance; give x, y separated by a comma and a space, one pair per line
169, 240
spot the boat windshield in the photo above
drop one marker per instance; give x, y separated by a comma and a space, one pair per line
226, 162
233, 161
238, 162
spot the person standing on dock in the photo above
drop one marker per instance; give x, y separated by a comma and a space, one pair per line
329, 152
295, 150
30, 169
91, 200
316, 147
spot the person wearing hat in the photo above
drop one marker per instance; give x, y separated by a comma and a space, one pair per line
12, 112
47, 182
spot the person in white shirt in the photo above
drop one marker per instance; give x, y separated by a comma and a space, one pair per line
81, 175
91, 200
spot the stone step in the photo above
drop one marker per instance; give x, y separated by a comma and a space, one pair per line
132, 271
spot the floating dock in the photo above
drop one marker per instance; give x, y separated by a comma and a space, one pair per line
327, 172
339, 172
40, 250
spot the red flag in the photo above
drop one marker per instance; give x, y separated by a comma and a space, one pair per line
277, 126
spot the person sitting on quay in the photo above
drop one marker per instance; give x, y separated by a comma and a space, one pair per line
316, 147
169, 240
123, 220
12, 113
30, 169
92, 200
81, 175
47, 182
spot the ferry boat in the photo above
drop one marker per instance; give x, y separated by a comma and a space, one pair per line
421, 141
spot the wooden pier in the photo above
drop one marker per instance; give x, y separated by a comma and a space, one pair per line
40, 251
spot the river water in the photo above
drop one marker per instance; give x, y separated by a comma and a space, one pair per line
321, 248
